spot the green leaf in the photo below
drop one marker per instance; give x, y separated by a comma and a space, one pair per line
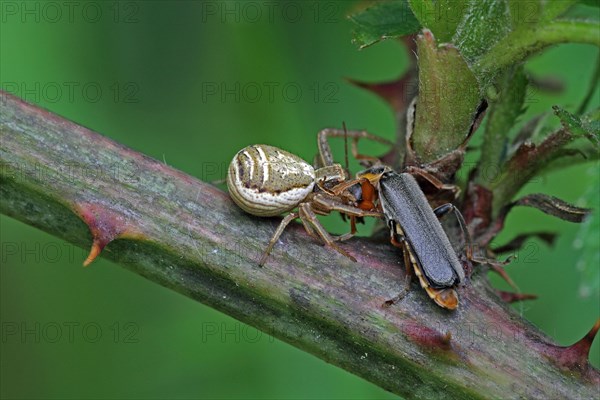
441, 17
449, 96
484, 24
586, 244
383, 21
584, 126
553, 206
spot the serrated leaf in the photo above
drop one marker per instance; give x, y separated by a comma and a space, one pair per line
485, 22
593, 127
587, 242
589, 128
553, 206
547, 204
383, 21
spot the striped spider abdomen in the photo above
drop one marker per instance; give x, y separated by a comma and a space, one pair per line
266, 181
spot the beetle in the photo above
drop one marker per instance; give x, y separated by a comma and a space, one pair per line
415, 228
267, 181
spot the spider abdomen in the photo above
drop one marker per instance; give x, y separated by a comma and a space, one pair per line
266, 181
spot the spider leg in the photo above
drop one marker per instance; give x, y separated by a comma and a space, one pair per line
284, 223
329, 204
325, 149
307, 215
439, 185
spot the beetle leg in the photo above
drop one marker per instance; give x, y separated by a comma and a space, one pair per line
308, 215
284, 222
400, 295
399, 240
442, 210
396, 242
445, 209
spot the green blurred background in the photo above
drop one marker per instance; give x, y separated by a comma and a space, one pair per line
190, 83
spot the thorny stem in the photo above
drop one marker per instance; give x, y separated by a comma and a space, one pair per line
188, 236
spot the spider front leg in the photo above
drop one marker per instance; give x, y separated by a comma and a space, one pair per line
308, 216
326, 157
435, 182
324, 205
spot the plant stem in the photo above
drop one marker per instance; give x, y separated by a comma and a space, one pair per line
516, 46
188, 236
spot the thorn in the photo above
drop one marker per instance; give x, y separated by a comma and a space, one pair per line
511, 297
582, 347
105, 225
497, 268
94, 252
392, 92
575, 356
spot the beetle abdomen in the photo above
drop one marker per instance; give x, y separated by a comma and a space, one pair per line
266, 181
